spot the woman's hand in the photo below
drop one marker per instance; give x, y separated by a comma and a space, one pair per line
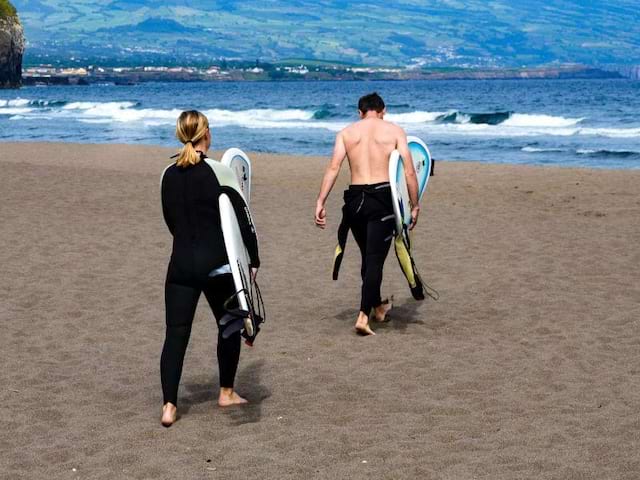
321, 215
254, 274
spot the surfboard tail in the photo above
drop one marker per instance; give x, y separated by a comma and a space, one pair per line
246, 321
408, 267
258, 313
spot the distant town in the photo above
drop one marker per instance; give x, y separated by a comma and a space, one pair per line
257, 71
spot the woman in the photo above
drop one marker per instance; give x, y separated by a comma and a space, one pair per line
190, 191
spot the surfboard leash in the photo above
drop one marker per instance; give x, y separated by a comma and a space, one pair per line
431, 292
233, 319
257, 294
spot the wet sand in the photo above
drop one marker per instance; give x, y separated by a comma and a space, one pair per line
528, 366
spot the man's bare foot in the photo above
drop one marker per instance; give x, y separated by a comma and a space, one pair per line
169, 414
228, 397
382, 310
362, 325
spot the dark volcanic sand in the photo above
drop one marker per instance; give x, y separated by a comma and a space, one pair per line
527, 367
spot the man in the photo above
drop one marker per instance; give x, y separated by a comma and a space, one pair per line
368, 209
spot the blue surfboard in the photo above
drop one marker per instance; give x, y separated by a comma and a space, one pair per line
422, 163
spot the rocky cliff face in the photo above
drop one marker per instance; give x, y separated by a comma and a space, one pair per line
11, 49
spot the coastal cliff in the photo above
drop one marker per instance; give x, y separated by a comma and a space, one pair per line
11, 46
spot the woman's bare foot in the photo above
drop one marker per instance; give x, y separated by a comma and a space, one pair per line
382, 310
362, 325
228, 397
169, 414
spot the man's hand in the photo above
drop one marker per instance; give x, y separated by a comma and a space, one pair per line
254, 274
415, 211
321, 216
329, 179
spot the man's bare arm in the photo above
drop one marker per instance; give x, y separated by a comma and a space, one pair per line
411, 177
329, 179
409, 170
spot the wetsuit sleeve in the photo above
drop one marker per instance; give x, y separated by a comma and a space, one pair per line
165, 211
245, 222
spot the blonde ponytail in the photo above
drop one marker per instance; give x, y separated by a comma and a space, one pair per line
191, 127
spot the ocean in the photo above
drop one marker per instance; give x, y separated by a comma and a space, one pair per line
585, 123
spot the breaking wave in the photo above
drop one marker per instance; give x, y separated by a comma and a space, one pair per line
596, 153
488, 124
542, 150
609, 153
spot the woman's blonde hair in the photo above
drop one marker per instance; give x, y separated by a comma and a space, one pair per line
191, 127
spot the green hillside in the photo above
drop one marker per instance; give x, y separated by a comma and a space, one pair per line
437, 33
7, 9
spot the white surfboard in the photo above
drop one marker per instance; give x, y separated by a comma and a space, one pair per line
399, 192
237, 254
239, 162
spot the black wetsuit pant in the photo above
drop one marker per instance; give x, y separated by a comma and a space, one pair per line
181, 301
369, 212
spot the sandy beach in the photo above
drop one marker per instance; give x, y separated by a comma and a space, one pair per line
528, 366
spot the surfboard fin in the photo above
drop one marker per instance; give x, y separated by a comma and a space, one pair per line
245, 321
255, 320
234, 325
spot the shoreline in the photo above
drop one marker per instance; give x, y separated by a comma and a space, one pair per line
217, 153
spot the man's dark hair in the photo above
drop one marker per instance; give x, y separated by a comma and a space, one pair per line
372, 101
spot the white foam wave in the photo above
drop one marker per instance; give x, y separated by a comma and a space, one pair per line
101, 105
95, 121
587, 151
265, 115
114, 111
413, 117
462, 118
518, 125
497, 131
15, 111
541, 150
612, 132
240, 119
527, 120
516, 120
501, 131
17, 102
104, 112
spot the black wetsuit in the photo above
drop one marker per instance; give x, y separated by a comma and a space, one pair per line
368, 212
190, 208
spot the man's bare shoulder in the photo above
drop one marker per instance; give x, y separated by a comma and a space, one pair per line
352, 127
350, 131
355, 129
392, 127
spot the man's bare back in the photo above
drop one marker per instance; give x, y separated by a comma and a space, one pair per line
368, 145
